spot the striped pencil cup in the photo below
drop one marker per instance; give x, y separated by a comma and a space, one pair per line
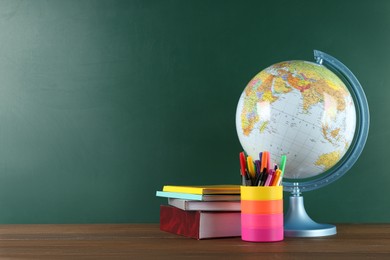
262, 213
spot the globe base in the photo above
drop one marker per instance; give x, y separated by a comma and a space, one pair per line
297, 222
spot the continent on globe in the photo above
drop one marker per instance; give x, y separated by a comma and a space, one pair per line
328, 160
297, 108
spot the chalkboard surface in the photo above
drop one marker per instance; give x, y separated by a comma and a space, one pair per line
104, 102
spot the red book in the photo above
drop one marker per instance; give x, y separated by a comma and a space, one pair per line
200, 224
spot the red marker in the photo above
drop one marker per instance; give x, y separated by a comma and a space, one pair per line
243, 163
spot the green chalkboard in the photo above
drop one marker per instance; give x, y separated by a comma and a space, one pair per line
104, 102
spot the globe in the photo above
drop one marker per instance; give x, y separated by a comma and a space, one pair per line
300, 109
315, 113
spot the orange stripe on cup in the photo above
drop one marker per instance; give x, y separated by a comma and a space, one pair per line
261, 206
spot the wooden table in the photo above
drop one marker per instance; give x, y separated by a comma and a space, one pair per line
146, 241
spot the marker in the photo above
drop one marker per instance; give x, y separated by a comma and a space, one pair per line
244, 178
264, 161
276, 177
248, 181
272, 179
268, 162
261, 160
251, 167
243, 164
264, 177
258, 180
257, 166
269, 178
283, 161
258, 173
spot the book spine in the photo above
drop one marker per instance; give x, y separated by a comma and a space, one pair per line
179, 222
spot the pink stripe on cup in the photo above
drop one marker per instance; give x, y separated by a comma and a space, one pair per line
261, 220
262, 234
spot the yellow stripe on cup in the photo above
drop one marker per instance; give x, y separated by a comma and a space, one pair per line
261, 192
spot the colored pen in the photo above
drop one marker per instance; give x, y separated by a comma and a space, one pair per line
268, 162
263, 161
248, 181
275, 180
243, 164
282, 166
264, 177
258, 173
269, 178
243, 169
283, 162
257, 166
251, 167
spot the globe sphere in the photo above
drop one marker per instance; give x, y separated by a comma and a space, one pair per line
300, 109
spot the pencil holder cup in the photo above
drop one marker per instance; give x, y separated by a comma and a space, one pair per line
262, 213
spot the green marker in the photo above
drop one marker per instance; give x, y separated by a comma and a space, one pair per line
282, 166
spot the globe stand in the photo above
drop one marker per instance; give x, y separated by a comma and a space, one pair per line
297, 222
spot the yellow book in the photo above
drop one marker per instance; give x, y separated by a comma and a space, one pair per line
204, 189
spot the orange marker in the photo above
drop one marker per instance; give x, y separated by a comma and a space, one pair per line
276, 178
264, 161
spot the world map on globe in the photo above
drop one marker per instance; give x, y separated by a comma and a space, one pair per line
300, 109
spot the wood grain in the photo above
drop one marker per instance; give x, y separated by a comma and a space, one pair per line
146, 241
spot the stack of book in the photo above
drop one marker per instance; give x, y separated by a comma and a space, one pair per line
201, 211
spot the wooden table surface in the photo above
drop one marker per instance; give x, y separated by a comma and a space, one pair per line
146, 241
